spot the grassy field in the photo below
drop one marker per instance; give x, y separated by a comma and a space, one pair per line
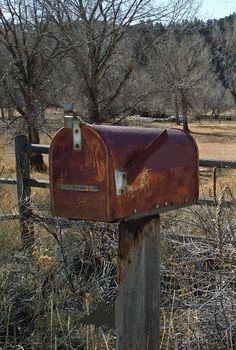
216, 142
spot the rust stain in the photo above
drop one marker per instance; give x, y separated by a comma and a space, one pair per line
161, 165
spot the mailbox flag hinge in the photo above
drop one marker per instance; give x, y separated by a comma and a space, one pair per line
74, 124
121, 181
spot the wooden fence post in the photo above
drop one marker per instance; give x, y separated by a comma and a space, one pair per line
138, 302
214, 182
23, 190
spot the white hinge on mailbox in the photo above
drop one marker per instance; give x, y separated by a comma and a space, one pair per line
121, 181
74, 124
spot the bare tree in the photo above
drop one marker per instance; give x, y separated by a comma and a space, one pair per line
183, 68
225, 58
28, 52
213, 99
105, 42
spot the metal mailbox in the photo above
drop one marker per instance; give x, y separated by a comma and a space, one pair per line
110, 173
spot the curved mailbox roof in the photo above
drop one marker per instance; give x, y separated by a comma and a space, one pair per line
124, 143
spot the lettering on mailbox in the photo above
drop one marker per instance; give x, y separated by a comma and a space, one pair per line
79, 188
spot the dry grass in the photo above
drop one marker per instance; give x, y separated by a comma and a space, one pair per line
44, 296
216, 142
198, 277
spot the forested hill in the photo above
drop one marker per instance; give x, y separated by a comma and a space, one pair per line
210, 46
220, 34
115, 62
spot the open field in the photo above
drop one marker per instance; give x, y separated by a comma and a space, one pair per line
216, 142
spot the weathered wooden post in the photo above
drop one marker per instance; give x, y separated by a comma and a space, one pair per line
214, 182
138, 301
23, 190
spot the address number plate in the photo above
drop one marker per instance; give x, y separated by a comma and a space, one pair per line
79, 188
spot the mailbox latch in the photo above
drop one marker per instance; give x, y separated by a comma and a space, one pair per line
74, 124
121, 181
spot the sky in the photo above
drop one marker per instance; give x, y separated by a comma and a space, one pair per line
216, 8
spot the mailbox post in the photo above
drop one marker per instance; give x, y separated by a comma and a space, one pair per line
138, 301
127, 175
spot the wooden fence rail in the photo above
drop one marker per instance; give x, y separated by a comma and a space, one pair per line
210, 163
24, 184
30, 182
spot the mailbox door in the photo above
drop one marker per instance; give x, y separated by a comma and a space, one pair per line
78, 178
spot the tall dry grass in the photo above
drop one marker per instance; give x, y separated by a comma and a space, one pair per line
199, 280
47, 295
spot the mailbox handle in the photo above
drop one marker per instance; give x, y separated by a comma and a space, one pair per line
136, 164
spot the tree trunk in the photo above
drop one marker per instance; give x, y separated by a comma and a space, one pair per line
36, 159
10, 113
2, 113
2, 110
233, 93
177, 111
185, 112
32, 116
93, 110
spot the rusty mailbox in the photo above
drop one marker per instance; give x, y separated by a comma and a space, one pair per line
110, 173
